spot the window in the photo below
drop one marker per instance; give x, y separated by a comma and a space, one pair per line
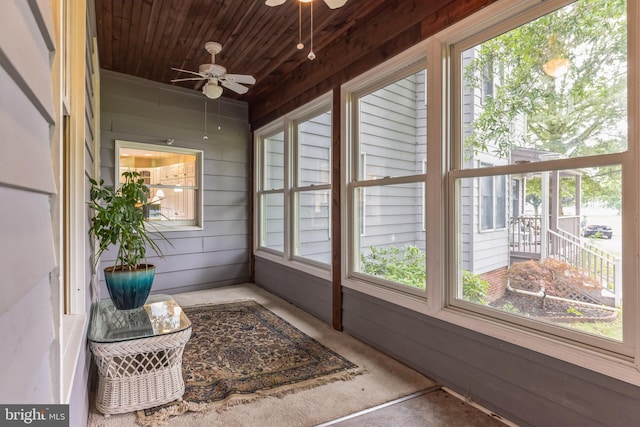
555, 136
386, 180
528, 197
294, 188
492, 203
173, 176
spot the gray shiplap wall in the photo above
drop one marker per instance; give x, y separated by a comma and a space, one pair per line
138, 110
526, 387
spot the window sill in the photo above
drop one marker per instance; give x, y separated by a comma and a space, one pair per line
73, 340
611, 365
298, 265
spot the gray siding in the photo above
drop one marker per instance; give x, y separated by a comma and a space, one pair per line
27, 254
138, 110
393, 137
526, 387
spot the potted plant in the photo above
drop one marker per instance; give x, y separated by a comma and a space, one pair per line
119, 220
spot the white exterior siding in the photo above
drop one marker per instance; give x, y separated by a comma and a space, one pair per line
27, 254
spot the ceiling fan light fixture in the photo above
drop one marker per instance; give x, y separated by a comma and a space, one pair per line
212, 90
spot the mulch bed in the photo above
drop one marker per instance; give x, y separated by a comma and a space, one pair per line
553, 310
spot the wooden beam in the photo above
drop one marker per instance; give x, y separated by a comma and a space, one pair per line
336, 222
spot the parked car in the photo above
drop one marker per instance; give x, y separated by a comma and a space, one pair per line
598, 231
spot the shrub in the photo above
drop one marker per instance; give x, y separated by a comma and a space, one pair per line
406, 265
551, 276
474, 288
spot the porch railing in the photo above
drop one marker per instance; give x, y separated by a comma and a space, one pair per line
525, 238
593, 262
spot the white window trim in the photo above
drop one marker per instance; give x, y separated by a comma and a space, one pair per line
616, 366
199, 193
412, 59
321, 104
439, 128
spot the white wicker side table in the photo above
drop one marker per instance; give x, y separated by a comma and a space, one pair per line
138, 354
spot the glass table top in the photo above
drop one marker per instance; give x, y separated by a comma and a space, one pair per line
160, 315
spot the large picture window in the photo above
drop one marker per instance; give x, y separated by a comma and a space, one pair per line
555, 134
173, 176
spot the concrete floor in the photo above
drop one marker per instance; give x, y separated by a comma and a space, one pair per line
431, 408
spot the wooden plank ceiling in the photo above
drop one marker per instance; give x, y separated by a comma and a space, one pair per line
146, 38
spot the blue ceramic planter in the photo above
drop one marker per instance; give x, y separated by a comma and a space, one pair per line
129, 289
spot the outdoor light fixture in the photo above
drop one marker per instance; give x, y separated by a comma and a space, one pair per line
556, 67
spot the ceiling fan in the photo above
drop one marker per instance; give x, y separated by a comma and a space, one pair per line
333, 4
216, 75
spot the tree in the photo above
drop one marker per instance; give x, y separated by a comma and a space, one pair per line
580, 113
576, 114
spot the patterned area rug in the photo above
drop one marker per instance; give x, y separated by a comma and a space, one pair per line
239, 352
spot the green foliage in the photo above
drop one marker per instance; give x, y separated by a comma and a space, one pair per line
574, 312
474, 288
405, 265
510, 308
119, 220
577, 114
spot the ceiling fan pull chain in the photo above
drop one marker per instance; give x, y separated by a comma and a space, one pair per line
205, 137
300, 45
311, 55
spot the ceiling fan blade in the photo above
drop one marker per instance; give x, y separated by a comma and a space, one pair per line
274, 2
187, 71
335, 4
239, 78
236, 87
188, 78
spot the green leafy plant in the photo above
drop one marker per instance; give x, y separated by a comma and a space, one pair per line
574, 312
119, 220
474, 287
510, 308
406, 265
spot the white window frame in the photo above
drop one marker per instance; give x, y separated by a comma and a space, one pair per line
499, 17
169, 226
288, 125
403, 65
570, 346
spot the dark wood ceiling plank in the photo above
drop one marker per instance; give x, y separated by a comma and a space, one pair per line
104, 12
170, 43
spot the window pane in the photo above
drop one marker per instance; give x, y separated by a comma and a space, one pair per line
172, 179
273, 221
558, 88
313, 225
392, 129
314, 151
553, 263
393, 243
486, 209
170, 204
274, 162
